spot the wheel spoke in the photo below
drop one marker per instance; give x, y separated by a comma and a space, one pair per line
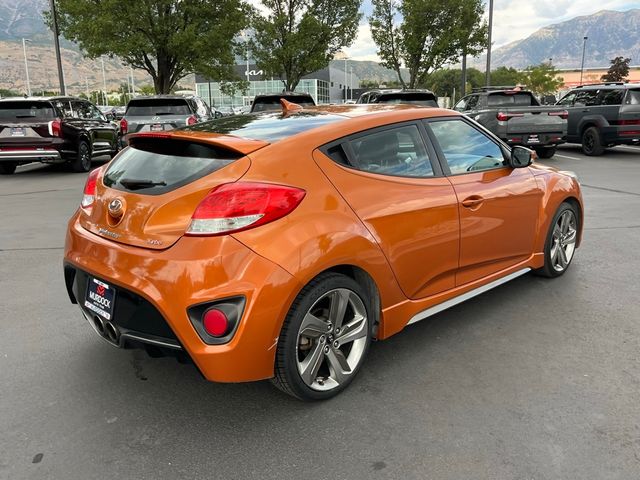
309, 366
562, 257
339, 302
554, 253
354, 330
571, 237
557, 232
564, 224
338, 365
312, 326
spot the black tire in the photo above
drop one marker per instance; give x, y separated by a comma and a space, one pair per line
591, 142
287, 376
82, 162
7, 168
549, 270
546, 152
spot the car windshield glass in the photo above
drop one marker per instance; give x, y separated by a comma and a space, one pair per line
632, 98
424, 99
154, 166
157, 106
269, 127
523, 99
25, 110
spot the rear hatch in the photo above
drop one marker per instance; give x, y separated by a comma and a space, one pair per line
26, 123
157, 114
629, 117
524, 115
159, 181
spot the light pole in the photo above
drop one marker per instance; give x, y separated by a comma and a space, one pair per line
56, 41
488, 73
350, 83
345, 79
26, 65
104, 84
584, 46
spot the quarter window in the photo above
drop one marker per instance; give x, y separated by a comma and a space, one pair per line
587, 98
632, 98
397, 151
465, 148
567, 100
611, 97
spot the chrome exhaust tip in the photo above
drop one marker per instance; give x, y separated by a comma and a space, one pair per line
112, 333
99, 325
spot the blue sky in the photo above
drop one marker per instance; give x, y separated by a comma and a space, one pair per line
512, 20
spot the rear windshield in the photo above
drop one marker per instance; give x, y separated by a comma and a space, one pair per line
632, 98
22, 110
522, 99
155, 166
264, 104
423, 99
269, 127
150, 107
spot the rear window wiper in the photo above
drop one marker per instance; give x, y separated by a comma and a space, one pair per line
163, 113
137, 184
26, 116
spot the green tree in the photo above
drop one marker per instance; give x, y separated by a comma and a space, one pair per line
618, 71
503, 76
168, 39
542, 79
145, 90
443, 82
297, 37
430, 34
8, 93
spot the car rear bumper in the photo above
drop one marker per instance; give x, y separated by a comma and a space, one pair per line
528, 139
154, 290
628, 134
30, 155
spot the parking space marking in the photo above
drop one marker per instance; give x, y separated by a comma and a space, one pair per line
566, 156
633, 149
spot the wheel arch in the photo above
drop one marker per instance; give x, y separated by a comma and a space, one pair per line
575, 203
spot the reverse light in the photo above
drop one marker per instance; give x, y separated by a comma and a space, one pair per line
124, 126
55, 128
504, 116
89, 194
233, 207
562, 114
192, 120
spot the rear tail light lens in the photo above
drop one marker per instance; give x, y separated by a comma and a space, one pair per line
215, 322
192, 120
233, 207
55, 128
628, 122
563, 114
503, 116
124, 126
89, 195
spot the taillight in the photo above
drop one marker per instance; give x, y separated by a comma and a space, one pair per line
192, 120
124, 126
503, 116
628, 122
562, 114
89, 194
55, 128
233, 207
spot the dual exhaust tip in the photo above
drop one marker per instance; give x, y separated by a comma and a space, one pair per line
107, 329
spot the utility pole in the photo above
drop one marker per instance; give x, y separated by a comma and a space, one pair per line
488, 72
463, 89
56, 41
584, 46
133, 83
104, 84
345, 79
26, 65
86, 84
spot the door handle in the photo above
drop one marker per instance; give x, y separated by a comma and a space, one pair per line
472, 201
586, 110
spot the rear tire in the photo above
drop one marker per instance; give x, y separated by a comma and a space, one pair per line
546, 152
561, 240
591, 142
325, 338
82, 162
7, 168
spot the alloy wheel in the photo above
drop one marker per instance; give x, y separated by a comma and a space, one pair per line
564, 240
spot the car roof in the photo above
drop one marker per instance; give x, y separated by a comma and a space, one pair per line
42, 99
398, 90
288, 94
605, 86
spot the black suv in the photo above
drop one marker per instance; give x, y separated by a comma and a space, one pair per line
603, 115
53, 130
423, 98
264, 103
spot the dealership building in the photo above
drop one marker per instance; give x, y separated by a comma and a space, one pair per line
329, 85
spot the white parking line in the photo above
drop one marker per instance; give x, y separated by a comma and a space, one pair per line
633, 149
566, 156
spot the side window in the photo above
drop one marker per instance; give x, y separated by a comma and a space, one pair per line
587, 98
611, 97
473, 102
81, 109
632, 98
65, 107
398, 151
567, 100
461, 106
465, 148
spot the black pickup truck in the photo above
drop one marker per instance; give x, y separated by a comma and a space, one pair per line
517, 118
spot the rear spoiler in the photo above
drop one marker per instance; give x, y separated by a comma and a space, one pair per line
235, 144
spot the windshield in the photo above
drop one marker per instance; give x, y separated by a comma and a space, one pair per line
22, 110
269, 127
522, 99
423, 99
151, 107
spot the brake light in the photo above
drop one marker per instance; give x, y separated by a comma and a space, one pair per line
233, 207
628, 122
503, 116
55, 128
89, 194
124, 126
562, 114
192, 120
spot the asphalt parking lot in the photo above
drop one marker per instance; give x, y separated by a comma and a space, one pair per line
538, 379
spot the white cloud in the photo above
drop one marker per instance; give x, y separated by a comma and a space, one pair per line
363, 47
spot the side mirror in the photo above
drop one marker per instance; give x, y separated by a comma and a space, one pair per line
520, 157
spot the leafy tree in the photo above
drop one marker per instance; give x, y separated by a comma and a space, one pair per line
167, 38
145, 90
506, 76
298, 37
8, 93
618, 71
430, 34
443, 82
542, 79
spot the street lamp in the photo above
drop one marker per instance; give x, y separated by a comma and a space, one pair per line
345, 78
584, 46
26, 65
104, 84
488, 73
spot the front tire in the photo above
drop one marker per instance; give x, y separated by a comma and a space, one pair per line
561, 239
7, 168
591, 142
82, 162
324, 339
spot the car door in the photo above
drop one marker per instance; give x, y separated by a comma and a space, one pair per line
393, 182
574, 114
498, 205
105, 133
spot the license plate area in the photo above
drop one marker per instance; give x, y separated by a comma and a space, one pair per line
533, 139
156, 127
18, 132
100, 298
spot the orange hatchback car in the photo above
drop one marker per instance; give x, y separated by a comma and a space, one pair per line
278, 245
